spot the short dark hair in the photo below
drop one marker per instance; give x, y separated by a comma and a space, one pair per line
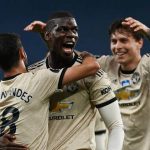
118, 26
10, 44
59, 14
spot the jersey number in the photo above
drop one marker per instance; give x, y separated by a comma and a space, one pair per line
8, 118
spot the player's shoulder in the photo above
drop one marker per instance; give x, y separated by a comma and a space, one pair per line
147, 55
99, 76
100, 73
146, 58
104, 57
79, 59
40, 64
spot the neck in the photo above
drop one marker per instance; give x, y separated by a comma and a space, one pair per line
131, 65
58, 62
15, 70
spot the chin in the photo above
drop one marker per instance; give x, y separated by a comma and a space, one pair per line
68, 54
120, 61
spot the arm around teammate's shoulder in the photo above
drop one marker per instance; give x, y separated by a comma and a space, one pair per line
88, 67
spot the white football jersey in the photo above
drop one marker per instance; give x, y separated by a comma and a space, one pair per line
73, 111
133, 92
24, 106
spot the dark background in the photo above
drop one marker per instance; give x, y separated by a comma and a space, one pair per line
93, 18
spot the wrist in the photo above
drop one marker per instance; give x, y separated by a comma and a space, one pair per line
148, 33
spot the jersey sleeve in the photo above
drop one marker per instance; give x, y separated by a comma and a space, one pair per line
146, 61
100, 89
47, 82
104, 61
38, 66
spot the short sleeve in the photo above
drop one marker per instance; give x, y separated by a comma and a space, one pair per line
100, 89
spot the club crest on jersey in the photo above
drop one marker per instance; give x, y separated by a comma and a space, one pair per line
135, 78
72, 87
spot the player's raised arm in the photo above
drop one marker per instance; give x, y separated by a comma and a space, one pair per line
37, 26
137, 26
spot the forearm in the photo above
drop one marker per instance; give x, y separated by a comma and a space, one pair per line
112, 118
115, 140
148, 34
78, 72
101, 141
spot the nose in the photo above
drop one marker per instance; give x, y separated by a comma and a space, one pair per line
118, 45
72, 34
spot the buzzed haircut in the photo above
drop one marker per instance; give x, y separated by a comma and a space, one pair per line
59, 14
119, 27
9, 50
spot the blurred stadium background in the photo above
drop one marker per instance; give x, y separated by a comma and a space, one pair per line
93, 18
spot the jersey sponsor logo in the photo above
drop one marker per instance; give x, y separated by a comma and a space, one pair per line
125, 94
61, 117
56, 107
125, 83
135, 78
60, 107
23, 95
105, 90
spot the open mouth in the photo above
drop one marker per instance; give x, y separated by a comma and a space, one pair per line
68, 46
119, 54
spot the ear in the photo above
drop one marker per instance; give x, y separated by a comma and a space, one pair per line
22, 54
140, 43
47, 36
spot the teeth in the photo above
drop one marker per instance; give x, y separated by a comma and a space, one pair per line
120, 53
69, 43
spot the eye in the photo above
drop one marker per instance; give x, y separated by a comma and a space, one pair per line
124, 40
62, 29
66, 29
113, 41
75, 30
